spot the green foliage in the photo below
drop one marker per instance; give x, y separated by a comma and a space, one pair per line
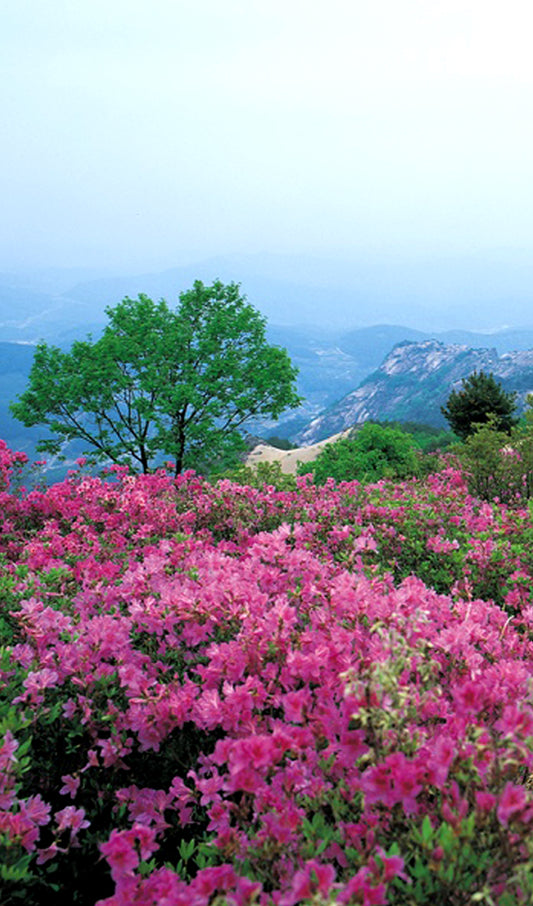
447, 863
427, 438
162, 382
479, 400
264, 473
491, 471
498, 465
281, 443
370, 453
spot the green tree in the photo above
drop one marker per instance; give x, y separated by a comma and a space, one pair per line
427, 438
161, 382
281, 443
368, 454
490, 465
480, 399
498, 464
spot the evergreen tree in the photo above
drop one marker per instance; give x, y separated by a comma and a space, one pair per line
480, 399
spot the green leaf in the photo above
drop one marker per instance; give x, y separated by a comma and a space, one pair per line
427, 830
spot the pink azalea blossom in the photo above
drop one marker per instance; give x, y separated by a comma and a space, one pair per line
513, 799
120, 852
70, 785
71, 818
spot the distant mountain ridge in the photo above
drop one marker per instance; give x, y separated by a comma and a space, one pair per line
414, 380
409, 382
61, 305
432, 292
471, 291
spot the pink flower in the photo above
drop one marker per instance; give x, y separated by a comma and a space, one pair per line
294, 704
391, 781
92, 760
36, 810
485, 801
245, 892
363, 886
32, 814
120, 853
146, 840
393, 866
8, 749
512, 800
71, 817
44, 855
70, 785
440, 756
440, 545
38, 680
69, 709
208, 880
405, 781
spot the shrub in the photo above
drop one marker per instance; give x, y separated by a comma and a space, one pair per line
368, 454
281, 443
498, 465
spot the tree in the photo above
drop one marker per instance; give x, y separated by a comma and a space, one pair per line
480, 399
162, 383
281, 443
368, 454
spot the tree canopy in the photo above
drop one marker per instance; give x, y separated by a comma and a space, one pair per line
481, 399
162, 382
368, 454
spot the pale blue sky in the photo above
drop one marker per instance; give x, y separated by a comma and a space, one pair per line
146, 133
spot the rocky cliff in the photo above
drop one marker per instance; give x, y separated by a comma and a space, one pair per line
414, 380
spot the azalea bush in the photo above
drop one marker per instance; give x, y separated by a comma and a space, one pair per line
225, 695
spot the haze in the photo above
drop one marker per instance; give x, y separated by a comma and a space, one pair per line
148, 135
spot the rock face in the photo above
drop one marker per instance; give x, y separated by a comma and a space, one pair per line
414, 380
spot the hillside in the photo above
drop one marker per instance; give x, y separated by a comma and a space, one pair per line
288, 459
414, 380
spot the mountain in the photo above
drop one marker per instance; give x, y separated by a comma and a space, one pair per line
296, 294
28, 316
471, 291
414, 380
331, 365
15, 364
433, 292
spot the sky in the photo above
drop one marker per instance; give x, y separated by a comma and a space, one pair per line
151, 133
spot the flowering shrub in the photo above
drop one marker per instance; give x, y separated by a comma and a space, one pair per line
233, 695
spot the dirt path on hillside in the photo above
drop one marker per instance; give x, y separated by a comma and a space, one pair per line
289, 459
